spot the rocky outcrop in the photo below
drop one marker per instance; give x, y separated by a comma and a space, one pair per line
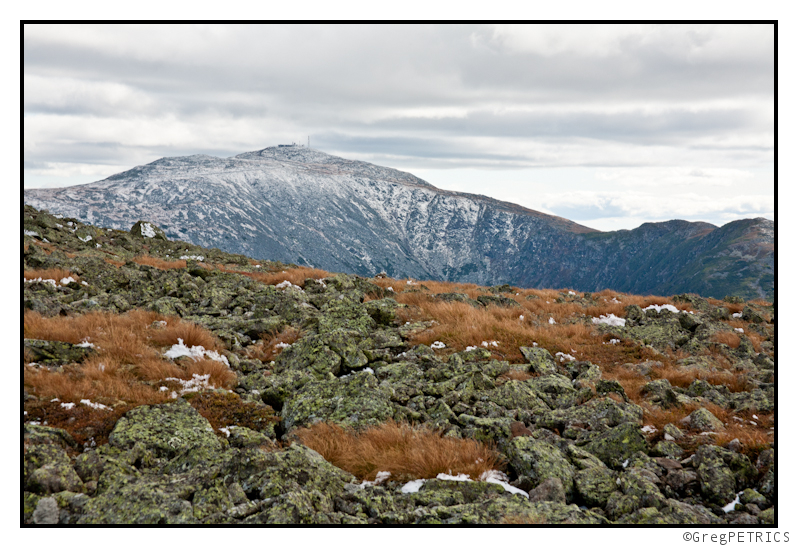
575, 445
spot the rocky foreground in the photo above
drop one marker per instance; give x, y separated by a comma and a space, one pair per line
578, 441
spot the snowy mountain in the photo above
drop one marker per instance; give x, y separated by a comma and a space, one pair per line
298, 205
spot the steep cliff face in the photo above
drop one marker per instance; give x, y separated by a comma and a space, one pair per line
299, 205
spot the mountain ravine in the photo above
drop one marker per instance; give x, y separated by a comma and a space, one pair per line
299, 205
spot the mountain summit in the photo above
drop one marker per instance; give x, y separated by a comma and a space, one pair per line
299, 205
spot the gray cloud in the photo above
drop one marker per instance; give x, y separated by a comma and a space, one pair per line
431, 97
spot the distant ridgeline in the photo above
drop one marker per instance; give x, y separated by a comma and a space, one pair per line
297, 205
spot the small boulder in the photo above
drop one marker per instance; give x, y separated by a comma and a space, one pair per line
617, 444
551, 490
540, 360
147, 230
702, 420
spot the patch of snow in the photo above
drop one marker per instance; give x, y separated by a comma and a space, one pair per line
624, 464
195, 384
659, 308
85, 344
668, 437
193, 257
225, 430
571, 293
730, 507
490, 343
754, 416
551, 321
30, 233
369, 370
389, 288
147, 231
257, 266
286, 284
65, 281
437, 345
563, 356
610, 319
381, 477
470, 348
95, 405
737, 315
534, 344
195, 353
494, 476
84, 283
739, 330
458, 477
521, 317
67, 405
282, 345
413, 486
648, 429
86, 239
48, 281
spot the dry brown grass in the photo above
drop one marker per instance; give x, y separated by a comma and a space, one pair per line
56, 274
406, 452
731, 340
296, 276
124, 336
267, 348
732, 307
158, 263
128, 366
460, 325
114, 262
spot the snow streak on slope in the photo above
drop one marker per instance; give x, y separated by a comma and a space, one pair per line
299, 205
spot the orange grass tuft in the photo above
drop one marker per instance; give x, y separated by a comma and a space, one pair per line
56, 274
267, 348
159, 263
406, 452
729, 339
459, 325
127, 367
296, 276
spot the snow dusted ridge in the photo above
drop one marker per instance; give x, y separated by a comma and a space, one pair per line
299, 205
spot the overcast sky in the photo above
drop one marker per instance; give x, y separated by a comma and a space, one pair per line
610, 126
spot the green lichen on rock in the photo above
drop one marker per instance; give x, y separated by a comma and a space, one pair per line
540, 460
617, 444
174, 434
356, 400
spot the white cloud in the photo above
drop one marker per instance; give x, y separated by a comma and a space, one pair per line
636, 107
